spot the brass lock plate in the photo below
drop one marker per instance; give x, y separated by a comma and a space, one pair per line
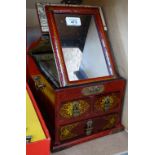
89, 127
93, 90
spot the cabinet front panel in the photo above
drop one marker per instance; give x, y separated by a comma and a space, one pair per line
92, 106
84, 91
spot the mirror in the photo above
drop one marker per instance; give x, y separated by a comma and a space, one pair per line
83, 53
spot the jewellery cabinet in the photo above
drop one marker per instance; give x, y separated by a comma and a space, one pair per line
72, 74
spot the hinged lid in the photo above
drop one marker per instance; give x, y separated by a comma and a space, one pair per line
79, 43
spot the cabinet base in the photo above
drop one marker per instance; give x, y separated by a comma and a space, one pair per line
60, 147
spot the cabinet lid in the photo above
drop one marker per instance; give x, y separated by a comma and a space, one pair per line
82, 52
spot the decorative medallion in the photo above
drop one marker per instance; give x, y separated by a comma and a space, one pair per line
106, 103
66, 131
111, 121
74, 108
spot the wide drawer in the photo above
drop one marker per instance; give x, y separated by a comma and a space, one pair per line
87, 127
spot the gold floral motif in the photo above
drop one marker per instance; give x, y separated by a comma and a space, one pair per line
66, 132
111, 121
74, 108
106, 103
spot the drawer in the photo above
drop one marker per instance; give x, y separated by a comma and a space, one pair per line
87, 127
107, 102
75, 109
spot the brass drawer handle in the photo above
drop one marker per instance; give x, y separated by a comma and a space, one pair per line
89, 127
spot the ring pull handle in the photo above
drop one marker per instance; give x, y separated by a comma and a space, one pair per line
76, 110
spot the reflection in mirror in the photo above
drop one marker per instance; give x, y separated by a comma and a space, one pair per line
81, 46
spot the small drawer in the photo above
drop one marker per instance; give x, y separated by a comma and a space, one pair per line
107, 102
75, 108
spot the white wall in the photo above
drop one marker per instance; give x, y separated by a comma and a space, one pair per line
31, 18
116, 13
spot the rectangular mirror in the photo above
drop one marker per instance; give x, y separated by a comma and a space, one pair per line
80, 45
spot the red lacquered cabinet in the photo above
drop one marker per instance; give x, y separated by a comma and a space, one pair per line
72, 74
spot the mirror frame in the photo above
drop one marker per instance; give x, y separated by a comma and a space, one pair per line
57, 48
